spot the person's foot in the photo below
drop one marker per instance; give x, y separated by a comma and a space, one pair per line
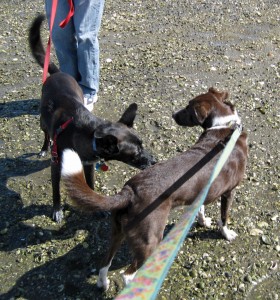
89, 101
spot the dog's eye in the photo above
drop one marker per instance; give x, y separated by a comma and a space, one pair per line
138, 151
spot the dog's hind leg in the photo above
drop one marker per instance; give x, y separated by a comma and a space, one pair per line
57, 214
226, 202
141, 253
116, 240
46, 144
143, 240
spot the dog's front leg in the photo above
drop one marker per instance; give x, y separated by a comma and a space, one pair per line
46, 144
202, 220
57, 214
226, 202
89, 175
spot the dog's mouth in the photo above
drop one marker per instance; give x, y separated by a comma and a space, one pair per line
143, 167
183, 118
142, 161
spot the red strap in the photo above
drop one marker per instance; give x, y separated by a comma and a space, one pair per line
69, 16
55, 157
64, 125
62, 25
48, 51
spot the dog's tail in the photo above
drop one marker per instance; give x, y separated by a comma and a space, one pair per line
81, 194
36, 46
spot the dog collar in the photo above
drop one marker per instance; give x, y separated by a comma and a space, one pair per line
99, 166
231, 125
230, 121
94, 147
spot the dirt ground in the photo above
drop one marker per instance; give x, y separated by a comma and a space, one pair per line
159, 54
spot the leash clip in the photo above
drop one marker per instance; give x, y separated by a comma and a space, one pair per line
235, 125
54, 157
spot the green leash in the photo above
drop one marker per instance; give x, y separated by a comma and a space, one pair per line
149, 278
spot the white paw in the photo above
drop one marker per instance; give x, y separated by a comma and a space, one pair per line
228, 234
103, 283
42, 153
206, 222
57, 216
127, 278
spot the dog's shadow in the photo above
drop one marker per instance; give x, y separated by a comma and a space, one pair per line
69, 274
18, 108
12, 209
73, 274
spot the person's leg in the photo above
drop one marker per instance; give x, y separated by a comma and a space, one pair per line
87, 21
64, 39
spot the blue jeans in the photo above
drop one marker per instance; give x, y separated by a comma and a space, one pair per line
76, 45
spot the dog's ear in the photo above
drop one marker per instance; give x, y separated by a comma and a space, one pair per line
222, 96
202, 111
107, 145
129, 115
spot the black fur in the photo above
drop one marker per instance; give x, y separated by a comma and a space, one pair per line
62, 100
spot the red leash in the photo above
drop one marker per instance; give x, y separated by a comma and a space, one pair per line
54, 151
69, 16
62, 25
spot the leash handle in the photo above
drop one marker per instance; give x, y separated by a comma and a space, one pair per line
62, 25
149, 278
69, 15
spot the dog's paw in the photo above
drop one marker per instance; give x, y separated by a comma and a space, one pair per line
103, 283
57, 216
202, 220
42, 154
127, 278
228, 234
205, 222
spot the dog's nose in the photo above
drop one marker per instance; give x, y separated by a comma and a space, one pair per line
153, 161
175, 116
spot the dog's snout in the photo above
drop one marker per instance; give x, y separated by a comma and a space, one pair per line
174, 115
153, 160
177, 118
147, 160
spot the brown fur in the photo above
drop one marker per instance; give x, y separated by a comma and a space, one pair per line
141, 208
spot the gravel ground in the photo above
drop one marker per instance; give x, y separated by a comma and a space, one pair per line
159, 54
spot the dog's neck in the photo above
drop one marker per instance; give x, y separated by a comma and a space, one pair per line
225, 121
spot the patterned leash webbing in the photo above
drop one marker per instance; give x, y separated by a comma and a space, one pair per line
149, 278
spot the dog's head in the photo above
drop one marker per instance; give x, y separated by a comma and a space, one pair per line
118, 141
207, 110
